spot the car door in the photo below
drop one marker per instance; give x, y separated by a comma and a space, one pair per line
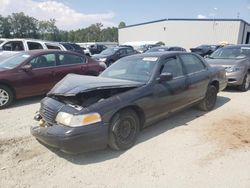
197, 75
70, 63
40, 78
169, 96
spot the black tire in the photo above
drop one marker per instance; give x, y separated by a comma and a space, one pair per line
209, 101
124, 130
6, 96
245, 84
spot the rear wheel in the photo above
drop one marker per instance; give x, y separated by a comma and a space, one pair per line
209, 101
124, 130
245, 84
6, 96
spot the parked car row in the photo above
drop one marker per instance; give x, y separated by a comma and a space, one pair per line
83, 111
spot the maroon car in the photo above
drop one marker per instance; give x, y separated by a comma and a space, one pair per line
35, 72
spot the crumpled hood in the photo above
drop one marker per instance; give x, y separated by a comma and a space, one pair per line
225, 62
73, 84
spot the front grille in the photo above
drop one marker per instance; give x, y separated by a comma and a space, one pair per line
49, 109
48, 114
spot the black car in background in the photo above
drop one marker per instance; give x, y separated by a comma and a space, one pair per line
72, 47
146, 47
96, 48
83, 113
205, 50
165, 48
110, 55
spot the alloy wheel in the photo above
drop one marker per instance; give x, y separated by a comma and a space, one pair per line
4, 97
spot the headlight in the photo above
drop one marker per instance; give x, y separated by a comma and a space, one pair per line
102, 64
234, 69
77, 120
102, 59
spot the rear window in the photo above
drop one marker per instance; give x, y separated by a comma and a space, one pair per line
67, 46
34, 45
50, 46
13, 46
192, 63
69, 59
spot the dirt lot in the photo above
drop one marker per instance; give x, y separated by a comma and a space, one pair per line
190, 149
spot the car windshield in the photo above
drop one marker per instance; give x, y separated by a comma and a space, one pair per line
109, 51
13, 61
138, 69
231, 53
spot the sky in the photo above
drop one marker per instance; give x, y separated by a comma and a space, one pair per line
75, 14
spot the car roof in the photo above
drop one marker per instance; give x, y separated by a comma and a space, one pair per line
121, 47
160, 54
37, 52
238, 46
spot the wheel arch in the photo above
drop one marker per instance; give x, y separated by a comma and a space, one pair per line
216, 84
9, 86
140, 113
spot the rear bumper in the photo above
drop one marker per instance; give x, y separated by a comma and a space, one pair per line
73, 140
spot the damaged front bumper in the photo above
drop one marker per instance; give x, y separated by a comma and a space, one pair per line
73, 140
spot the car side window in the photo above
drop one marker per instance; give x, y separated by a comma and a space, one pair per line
69, 59
123, 52
129, 51
172, 65
43, 61
13, 46
34, 45
49, 46
192, 63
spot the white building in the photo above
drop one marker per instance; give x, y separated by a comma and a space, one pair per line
188, 33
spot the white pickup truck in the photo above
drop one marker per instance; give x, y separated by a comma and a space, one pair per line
28, 44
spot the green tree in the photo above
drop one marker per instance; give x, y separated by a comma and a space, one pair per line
4, 27
48, 30
23, 26
121, 25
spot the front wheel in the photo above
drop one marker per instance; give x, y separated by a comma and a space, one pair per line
124, 130
209, 101
245, 84
6, 96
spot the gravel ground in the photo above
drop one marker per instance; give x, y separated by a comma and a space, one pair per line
190, 149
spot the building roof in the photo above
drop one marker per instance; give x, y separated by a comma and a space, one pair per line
186, 19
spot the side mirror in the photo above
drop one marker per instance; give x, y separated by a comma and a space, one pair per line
166, 76
27, 67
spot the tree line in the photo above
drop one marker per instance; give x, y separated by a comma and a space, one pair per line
19, 25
